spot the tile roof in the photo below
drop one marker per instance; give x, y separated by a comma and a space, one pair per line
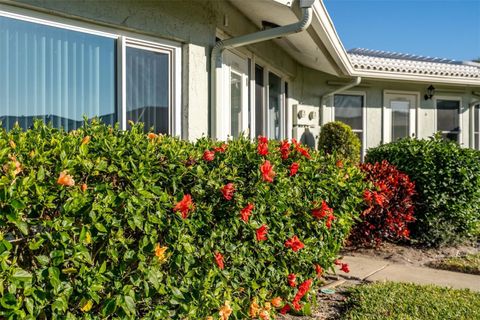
375, 60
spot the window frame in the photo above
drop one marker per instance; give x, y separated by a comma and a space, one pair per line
473, 133
460, 127
284, 103
123, 39
363, 94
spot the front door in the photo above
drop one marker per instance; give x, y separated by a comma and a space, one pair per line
399, 116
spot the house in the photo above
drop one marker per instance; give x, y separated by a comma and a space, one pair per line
222, 68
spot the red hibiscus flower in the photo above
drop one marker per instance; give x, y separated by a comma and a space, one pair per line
262, 233
285, 149
228, 191
267, 171
304, 152
302, 291
262, 147
323, 211
219, 260
285, 309
294, 169
246, 212
378, 198
294, 243
345, 268
318, 270
330, 218
221, 149
208, 155
337, 262
291, 280
184, 206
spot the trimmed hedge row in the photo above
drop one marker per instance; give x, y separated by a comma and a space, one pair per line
104, 223
447, 182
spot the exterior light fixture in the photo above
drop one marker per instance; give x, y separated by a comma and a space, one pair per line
430, 93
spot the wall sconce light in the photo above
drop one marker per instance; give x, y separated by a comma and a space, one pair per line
430, 93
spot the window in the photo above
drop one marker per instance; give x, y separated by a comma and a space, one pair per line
400, 119
61, 73
274, 106
259, 101
269, 104
476, 121
147, 88
448, 119
349, 110
54, 74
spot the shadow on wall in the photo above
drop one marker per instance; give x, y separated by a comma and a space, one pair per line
308, 139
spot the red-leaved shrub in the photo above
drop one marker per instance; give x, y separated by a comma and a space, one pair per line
390, 206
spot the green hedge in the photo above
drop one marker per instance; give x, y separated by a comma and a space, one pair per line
447, 182
339, 139
118, 242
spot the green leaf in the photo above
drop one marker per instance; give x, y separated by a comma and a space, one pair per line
129, 306
100, 227
21, 275
17, 204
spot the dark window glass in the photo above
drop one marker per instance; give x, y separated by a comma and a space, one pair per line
400, 119
54, 74
447, 115
259, 101
274, 101
476, 121
148, 88
348, 109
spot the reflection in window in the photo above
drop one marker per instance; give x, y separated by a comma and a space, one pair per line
349, 110
448, 119
476, 130
236, 104
274, 101
147, 88
259, 101
54, 74
400, 119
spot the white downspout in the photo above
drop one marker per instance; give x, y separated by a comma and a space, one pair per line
328, 95
217, 59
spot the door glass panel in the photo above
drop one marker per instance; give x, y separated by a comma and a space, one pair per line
54, 74
259, 101
400, 119
235, 104
274, 101
148, 88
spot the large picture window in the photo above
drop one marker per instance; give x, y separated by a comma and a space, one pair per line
448, 122
60, 73
54, 74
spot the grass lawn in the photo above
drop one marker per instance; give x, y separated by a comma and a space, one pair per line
408, 301
467, 264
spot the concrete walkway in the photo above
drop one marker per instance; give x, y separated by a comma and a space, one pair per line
369, 269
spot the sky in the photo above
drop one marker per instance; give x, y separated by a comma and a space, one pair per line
436, 28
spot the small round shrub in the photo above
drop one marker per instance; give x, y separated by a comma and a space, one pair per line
338, 138
390, 206
102, 223
447, 182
